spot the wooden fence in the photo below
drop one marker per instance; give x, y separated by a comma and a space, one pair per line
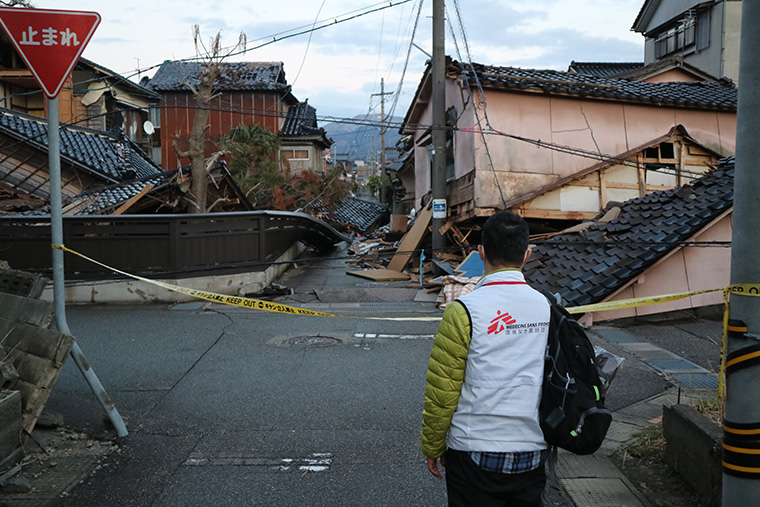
162, 245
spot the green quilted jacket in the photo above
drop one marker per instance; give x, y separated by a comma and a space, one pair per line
445, 375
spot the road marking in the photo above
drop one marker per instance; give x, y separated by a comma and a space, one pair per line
314, 462
373, 336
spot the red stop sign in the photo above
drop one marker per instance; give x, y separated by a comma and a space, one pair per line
49, 41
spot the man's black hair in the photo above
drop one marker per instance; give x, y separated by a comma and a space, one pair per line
505, 239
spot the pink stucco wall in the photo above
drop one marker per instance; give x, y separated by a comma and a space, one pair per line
685, 269
598, 126
601, 126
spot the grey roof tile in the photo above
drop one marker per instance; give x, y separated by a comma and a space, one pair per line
109, 155
360, 214
697, 94
301, 120
234, 76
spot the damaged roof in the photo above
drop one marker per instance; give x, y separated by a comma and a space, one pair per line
602, 69
590, 265
301, 123
301, 120
703, 95
105, 200
234, 76
110, 155
360, 214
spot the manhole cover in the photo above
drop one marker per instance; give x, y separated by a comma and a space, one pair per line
312, 341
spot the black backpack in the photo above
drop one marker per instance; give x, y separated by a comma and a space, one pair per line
572, 412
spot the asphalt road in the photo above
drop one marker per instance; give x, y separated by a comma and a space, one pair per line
227, 406
222, 411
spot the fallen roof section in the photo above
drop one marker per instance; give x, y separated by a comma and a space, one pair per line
590, 265
110, 156
358, 214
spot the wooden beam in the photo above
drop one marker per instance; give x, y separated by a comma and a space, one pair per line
602, 189
411, 240
124, 207
642, 180
550, 214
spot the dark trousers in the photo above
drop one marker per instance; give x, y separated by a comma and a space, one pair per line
469, 485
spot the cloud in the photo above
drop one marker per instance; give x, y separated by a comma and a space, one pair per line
556, 48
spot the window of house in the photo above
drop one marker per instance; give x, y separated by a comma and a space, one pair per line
660, 151
681, 37
667, 150
652, 152
295, 154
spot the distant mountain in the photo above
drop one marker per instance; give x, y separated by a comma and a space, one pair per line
356, 139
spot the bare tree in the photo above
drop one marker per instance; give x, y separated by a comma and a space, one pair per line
16, 3
211, 57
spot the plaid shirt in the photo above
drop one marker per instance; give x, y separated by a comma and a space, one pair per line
509, 462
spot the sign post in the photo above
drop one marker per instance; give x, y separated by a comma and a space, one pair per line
50, 42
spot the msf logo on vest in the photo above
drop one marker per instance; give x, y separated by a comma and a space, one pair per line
500, 323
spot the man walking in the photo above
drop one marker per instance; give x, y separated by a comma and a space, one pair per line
484, 380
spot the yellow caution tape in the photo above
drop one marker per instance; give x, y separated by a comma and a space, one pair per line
255, 304
636, 302
268, 306
243, 302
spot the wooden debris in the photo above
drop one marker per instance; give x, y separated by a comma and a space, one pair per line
380, 275
411, 240
124, 207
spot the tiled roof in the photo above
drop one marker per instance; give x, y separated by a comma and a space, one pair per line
667, 64
107, 199
234, 76
113, 157
702, 95
360, 214
602, 69
588, 266
301, 120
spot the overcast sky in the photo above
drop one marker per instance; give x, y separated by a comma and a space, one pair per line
341, 66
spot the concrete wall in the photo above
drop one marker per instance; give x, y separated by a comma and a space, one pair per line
137, 291
731, 38
693, 449
315, 162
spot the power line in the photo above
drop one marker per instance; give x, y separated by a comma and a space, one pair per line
366, 122
270, 39
308, 43
392, 109
483, 102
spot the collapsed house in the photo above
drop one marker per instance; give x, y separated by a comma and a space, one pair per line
546, 126
101, 173
660, 243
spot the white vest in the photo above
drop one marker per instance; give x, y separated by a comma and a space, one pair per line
498, 405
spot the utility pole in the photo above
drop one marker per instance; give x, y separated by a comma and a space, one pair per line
383, 170
438, 72
741, 436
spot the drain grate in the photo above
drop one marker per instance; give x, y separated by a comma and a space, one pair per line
312, 341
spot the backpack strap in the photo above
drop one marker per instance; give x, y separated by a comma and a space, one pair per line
551, 461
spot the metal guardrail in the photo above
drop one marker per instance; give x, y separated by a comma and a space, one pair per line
162, 245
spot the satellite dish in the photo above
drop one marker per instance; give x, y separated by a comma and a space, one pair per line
148, 127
